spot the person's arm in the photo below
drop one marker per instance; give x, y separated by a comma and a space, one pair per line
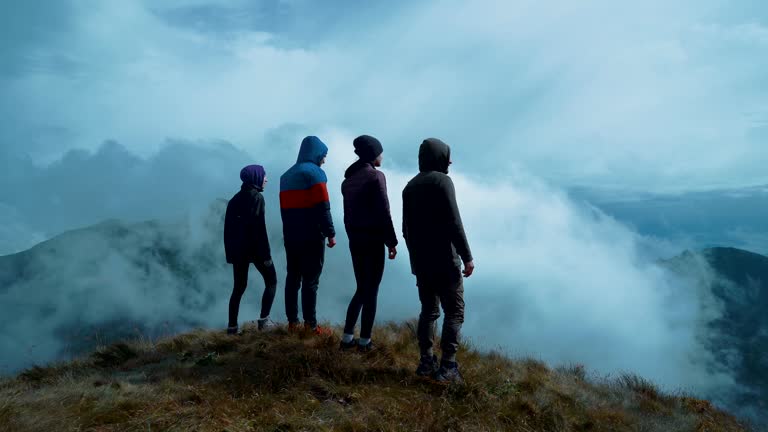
228, 231
382, 200
405, 218
455, 225
261, 236
324, 211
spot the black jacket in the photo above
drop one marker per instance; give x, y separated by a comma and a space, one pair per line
366, 205
245, 229
432, 226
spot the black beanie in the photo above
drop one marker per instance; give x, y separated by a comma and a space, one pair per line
367, 147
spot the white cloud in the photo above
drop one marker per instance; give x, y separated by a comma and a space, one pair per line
646, 95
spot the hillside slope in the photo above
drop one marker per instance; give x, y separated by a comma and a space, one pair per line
295, 382
103, 282
738, 280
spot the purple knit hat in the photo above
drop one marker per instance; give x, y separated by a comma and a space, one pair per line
253, 175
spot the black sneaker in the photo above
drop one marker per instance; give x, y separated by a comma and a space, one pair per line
233, 330
427, 366
345, 346
365, 348
449, 373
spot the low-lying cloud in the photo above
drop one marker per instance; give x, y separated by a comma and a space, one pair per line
555, 279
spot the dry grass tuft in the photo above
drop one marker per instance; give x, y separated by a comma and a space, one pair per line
640, 386
114, 355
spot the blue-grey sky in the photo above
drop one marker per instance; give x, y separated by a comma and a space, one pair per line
649, 95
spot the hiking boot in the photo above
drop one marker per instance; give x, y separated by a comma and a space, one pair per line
427, 366
233, 330
346, 346
266, 324
449, 373
320, 331
365, 348
294, 327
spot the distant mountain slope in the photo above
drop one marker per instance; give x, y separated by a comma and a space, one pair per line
739, 281
125, 277
84, 188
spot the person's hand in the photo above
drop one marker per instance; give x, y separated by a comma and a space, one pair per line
331, 242
469, 268
392, 252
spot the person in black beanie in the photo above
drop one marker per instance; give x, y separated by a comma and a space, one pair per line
371, 233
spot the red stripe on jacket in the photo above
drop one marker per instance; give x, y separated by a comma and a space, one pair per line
306, 198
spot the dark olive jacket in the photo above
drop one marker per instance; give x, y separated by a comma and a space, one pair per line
432, 226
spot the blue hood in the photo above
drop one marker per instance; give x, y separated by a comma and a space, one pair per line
312, 150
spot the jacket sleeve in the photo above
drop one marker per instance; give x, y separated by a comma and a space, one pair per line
455, 225
324, 214
261, 239
228, 234
405, 218
382, 200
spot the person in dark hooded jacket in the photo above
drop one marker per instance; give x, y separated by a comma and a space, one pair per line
246, 242
306, 212
368, 222
434, 234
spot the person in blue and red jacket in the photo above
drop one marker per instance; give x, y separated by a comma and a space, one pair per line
306, 212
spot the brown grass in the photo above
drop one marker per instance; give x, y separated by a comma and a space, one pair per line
277, 381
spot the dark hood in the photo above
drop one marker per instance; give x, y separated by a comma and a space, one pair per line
434, 155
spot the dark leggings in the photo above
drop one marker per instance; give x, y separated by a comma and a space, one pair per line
368, 262
240, 273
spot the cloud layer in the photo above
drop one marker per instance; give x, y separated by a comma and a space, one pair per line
555, 279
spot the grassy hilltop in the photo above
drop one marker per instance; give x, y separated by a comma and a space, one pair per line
207, 381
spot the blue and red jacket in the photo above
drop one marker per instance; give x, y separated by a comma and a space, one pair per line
304, 203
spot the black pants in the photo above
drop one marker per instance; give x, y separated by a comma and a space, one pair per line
240, 273
368, 262
305, 264
434, 292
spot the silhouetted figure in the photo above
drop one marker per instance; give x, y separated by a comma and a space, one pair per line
434, 235
246, 242
307, 222
369, 227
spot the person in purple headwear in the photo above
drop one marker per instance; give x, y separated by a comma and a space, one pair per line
246, 242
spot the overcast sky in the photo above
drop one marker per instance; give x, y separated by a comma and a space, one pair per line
648, 95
